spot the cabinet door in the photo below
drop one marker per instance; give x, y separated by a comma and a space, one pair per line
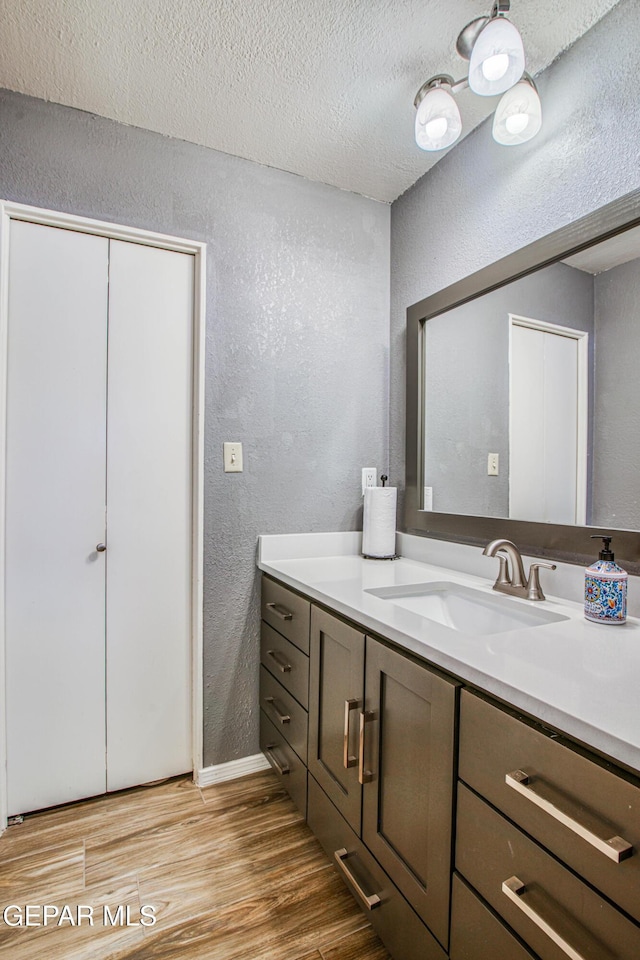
408, 794
335, 699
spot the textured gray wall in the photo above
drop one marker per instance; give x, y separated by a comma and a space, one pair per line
296, 354
616, 481
467, 384
483, 201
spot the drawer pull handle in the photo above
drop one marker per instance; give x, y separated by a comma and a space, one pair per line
349, 705
364, 776
275, 706
370, 901
514, 889
615, 848
279, 661
280, 611
282, 768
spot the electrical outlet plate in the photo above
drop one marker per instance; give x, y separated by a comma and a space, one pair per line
369, 478
232, 457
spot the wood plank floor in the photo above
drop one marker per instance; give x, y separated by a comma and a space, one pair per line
232, 872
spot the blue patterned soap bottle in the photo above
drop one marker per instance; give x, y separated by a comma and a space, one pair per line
605, 588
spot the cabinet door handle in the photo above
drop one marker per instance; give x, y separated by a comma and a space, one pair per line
279, 661
282, 768
349, 705
279, 712
369, 901
515, 889
280, 611
615, 848
364, 776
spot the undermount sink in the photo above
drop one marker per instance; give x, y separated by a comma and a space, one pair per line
465, 609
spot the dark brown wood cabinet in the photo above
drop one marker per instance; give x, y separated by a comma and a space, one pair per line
537, 818
284, 686
546, 836
381, 745
398, 926
336, 694
409, 723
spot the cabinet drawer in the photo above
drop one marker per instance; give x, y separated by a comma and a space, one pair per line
476, 932
553, 911
285, 713
399, 928
286, 612
286, 663
570, 804
286, 763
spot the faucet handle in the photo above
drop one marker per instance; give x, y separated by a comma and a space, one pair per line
503, 577
534, 590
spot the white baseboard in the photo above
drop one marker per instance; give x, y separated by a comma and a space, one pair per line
220, 772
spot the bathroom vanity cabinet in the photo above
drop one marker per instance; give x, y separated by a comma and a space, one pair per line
464, 829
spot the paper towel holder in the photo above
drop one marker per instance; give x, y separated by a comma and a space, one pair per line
367, 556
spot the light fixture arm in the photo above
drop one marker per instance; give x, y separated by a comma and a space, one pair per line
455, 86
500, 7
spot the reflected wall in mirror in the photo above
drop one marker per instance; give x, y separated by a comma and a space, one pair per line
541, 372
523, 416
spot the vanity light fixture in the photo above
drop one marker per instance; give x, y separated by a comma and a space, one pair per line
494, 49
518, 116
438, 122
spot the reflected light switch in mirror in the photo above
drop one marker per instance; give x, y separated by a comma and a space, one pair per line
232, 457
493, 465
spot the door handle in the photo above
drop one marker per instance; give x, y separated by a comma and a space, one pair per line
369, 900
515, 890
277, 709
616, 848
348, 761
279, 661
282, 768
101, 547
280, 611
364, 776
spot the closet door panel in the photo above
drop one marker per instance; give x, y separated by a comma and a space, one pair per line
149, 452
55, 516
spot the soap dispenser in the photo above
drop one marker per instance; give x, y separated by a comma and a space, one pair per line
605, 588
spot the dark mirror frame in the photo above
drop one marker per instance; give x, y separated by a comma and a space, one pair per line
568, 543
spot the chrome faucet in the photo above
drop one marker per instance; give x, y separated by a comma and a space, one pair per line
511, 577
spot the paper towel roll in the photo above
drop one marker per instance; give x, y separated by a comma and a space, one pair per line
379, 522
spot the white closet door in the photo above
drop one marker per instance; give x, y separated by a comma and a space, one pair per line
149, 514
544, 409
55, 516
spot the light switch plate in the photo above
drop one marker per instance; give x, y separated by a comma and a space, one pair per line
232, 457
493, 465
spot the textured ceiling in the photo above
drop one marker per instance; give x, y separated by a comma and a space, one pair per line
322, 88
610, 253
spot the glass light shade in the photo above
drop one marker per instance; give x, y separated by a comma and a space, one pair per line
438, 122
518, 116
497, 58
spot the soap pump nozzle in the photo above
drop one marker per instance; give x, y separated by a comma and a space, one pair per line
605, 553
384, 479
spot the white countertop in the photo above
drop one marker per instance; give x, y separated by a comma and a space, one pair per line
580, 678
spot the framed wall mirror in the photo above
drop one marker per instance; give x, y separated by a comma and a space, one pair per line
523, 399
